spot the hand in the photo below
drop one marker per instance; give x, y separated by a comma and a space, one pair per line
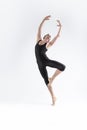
59, 24
47, 17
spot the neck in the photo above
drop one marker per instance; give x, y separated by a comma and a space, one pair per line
43, 42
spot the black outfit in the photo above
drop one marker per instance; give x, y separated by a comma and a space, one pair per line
43, 61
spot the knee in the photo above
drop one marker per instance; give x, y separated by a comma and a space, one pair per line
63, 68
49, 86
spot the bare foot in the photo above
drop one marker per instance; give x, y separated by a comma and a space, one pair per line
54, 100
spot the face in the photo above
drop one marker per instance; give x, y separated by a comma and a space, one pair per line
47, 38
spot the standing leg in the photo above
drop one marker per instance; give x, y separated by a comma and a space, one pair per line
44, 74
52, 94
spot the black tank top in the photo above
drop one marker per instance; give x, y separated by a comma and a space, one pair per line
40, 52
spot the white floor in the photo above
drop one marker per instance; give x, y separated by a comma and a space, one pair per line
63, 116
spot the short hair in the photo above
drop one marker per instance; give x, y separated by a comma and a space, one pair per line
45, 35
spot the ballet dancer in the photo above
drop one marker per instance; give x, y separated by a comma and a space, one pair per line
41, 47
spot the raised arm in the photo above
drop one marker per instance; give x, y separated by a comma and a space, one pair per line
55, 38
40, 27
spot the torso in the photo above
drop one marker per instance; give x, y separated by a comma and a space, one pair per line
40, 42
40, 52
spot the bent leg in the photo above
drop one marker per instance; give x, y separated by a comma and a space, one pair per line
56, 64
60, 67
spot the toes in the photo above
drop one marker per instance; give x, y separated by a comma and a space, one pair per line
54, 100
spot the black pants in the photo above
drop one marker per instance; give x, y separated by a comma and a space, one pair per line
50, 63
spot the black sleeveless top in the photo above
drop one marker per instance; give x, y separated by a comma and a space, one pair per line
40, 52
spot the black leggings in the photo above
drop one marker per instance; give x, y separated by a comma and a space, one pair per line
50, 63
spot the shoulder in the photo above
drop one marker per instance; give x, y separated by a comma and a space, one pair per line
38, 41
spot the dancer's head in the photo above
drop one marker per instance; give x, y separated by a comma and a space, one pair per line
47, 37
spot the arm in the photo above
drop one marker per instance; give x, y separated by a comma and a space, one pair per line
40, 27
55, 38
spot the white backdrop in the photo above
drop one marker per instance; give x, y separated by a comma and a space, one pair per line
20, 80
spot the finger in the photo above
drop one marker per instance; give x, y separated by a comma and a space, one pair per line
49, 16
58, 21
